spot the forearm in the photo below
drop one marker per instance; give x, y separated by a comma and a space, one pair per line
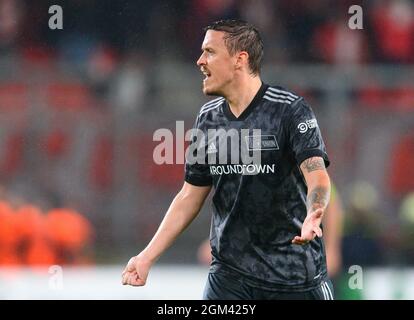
180, 214
318, 182
318, 195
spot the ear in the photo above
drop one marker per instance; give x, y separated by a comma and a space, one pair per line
242, 60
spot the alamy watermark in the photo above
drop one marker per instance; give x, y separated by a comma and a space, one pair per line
356, 21
56, 20
215, 146
356, 281
56, 278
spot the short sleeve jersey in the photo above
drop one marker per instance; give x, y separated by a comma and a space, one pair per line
258, 207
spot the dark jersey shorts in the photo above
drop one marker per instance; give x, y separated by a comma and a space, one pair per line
228, 286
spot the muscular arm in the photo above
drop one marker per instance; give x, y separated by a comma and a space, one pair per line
318, 197
183, 209
318, 183
319, 187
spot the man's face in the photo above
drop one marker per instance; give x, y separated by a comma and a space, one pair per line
216, 63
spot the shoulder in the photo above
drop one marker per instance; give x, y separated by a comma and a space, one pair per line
281, 95
211, 105
294, 105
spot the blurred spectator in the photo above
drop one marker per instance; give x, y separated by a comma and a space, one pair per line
101, 67
362, 233
11, 15
69, 232
9, 238
30, 237
301, 24
406, 217
130, 86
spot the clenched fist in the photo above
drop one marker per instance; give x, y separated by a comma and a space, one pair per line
136, 271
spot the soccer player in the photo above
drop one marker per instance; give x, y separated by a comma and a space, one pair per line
266, 234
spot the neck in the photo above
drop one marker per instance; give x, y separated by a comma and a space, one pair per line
243, 94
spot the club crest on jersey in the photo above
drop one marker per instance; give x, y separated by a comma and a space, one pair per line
262, 142
308, 124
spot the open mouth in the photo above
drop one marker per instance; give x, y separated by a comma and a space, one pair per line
206, 74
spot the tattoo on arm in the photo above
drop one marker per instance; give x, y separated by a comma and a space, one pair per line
318, 197
312, 164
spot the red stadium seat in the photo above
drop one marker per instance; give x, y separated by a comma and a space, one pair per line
12, 154
401, 178
69, 96
101, 165
56, 143
13, 97
169, 176
397, 99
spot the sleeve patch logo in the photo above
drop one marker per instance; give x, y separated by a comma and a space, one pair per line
308, 124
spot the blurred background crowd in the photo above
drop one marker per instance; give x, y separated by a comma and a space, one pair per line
79, 106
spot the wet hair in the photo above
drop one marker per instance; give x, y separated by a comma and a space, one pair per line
241, 36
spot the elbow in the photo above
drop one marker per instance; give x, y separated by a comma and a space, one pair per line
319, 180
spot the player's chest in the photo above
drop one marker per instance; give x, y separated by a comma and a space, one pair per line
244, 142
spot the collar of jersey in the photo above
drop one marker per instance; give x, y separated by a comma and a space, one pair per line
255, 102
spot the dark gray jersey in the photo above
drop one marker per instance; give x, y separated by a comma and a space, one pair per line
258, 208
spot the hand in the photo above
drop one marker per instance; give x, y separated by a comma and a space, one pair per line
136, 271
310, 228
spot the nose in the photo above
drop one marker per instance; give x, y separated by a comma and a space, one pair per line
202, 60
